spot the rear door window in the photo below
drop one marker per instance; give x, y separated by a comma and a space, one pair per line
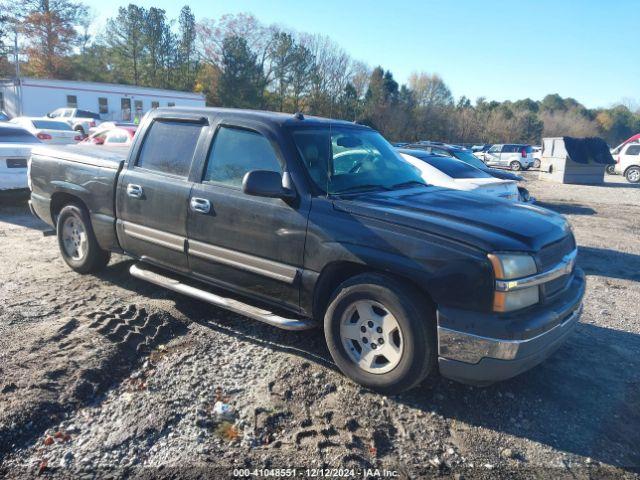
633, 150
237, 151
169, 147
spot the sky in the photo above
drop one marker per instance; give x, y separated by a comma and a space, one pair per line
498, 49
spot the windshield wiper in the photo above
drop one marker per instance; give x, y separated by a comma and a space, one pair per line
362, 188
410, 183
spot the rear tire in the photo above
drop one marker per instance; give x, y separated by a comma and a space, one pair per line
536, 163
515, 166
78, 244
632, 174
381, 333
611, 170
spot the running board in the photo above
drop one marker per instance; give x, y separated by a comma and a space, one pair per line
139, 271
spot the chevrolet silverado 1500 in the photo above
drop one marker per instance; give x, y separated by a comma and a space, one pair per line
301, 222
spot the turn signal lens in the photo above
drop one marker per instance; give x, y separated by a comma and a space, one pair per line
515, 300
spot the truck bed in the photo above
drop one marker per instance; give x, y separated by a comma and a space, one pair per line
87, 172
99, 156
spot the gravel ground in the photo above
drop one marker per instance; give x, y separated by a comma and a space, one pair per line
107, 376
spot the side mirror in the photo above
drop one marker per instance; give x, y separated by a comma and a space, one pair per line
98, 140
264, 183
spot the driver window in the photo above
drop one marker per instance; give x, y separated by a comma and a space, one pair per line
237, 151
495, 149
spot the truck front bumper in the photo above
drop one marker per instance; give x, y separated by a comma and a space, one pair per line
481, 349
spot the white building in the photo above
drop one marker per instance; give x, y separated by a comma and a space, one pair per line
36, 97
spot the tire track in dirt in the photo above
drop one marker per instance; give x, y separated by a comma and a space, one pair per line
71, 362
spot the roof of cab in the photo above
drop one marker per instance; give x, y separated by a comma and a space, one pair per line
278, 118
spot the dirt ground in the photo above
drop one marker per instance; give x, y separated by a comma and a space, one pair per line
107, 375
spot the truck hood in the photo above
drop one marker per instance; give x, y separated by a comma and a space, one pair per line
491, 224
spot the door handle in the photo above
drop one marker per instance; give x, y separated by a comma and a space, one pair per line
200, 205
134, 191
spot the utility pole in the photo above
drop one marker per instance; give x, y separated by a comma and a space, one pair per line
17, 83
15, 51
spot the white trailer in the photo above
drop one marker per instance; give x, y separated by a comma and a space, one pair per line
35, 97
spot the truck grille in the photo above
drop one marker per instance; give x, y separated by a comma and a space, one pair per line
549, 257
16, 163
554, 286
553, 254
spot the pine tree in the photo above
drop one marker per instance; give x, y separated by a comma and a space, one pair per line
241, 77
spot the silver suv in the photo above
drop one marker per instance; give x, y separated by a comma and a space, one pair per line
512, 155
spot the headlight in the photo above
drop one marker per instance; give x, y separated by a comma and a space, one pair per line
509, 266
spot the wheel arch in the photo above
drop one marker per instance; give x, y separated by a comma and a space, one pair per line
59, 200
335, 273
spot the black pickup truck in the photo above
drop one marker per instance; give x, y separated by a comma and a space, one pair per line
301, 222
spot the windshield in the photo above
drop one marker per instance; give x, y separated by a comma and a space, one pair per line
16, 135
349, 160
50, 125
467, 157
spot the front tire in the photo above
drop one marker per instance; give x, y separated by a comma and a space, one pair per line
381, 333
78, 244
515, 166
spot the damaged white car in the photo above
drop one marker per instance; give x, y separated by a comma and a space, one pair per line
448, 172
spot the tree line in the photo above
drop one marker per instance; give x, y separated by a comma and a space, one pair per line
237, 61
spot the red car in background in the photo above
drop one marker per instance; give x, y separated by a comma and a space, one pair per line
115, 136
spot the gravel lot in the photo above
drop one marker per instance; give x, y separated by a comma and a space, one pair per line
107, 374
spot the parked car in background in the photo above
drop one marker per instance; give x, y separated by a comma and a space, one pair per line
111, 137
15, 149
466, 156
515, 156
448, 172
537, 155
611, 169
628, 162
247, 211
483, 147
49, 131
111, 124
79, 120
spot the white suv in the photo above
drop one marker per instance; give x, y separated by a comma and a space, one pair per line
516, 156
79, 120
628, 162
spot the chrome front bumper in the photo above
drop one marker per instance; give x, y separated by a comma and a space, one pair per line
469, 348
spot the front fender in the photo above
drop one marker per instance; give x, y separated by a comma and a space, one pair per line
450, 272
